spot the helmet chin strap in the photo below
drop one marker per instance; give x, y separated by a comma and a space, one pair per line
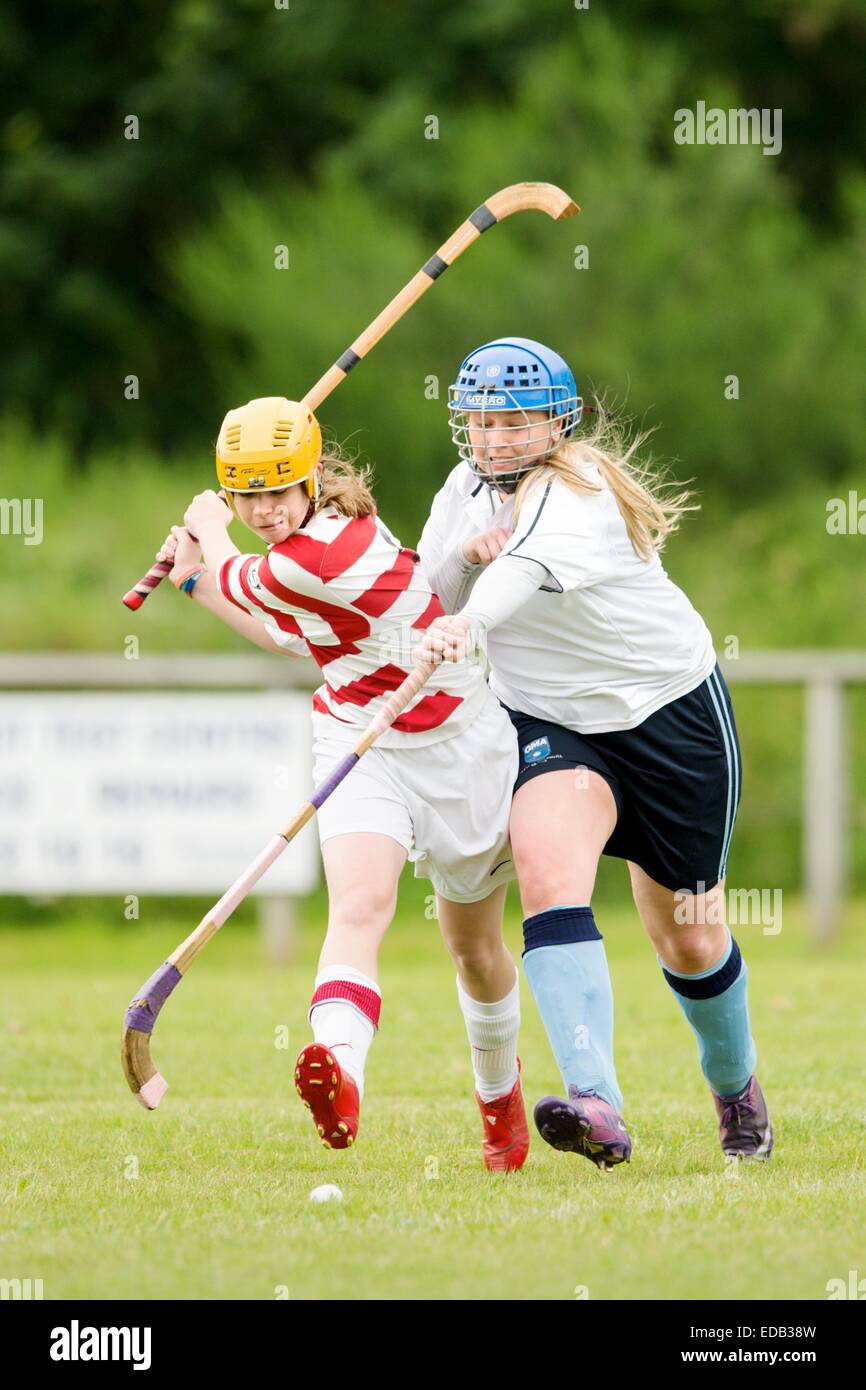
509, 480
314, 496
506, 487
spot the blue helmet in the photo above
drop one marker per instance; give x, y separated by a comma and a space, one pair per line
512, 375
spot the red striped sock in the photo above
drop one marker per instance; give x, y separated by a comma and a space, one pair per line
344, 1013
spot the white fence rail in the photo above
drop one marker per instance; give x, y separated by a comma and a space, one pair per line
824, 674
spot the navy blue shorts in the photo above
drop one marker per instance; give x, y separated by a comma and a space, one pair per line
676, 781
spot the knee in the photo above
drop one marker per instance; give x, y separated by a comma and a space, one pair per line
362, 906
560, 887
693, 951
551, 875
476, 959
547, 880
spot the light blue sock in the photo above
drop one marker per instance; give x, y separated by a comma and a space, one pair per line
566, 966
715, 1004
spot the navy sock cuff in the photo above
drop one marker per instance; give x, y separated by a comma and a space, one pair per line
710, 985
559, 926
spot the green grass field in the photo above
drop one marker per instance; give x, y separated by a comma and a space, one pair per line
209, 1196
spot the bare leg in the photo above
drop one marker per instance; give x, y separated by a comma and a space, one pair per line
362, 871
473, 934
560, 824
691, 946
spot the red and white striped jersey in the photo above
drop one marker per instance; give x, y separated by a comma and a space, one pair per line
346, 588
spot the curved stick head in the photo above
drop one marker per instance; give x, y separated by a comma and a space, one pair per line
148, 1085
543, 197
141, 1015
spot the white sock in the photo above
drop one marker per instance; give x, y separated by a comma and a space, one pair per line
493, 1030
344, 1024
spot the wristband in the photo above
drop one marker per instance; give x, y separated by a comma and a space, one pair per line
179, 577
188, 578
189, 584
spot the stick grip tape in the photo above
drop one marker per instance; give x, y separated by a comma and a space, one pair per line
143, 1010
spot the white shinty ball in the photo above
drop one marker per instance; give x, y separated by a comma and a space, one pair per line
328, 1192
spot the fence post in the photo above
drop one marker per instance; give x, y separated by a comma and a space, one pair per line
824, 809
277, 924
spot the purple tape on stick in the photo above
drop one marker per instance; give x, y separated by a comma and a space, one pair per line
322, 793
144, 1009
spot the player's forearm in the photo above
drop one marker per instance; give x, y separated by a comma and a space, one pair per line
207, 595
216, 545
448, 576
502, 589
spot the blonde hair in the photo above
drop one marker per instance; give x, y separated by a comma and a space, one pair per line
650, 510
344, 483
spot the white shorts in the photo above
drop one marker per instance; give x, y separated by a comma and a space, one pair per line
446, 803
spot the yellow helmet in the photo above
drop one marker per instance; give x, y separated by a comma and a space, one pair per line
267, 444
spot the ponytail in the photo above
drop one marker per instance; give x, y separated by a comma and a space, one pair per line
344, 484
650, 510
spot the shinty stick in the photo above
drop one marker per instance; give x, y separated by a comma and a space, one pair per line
518, 197
144, 1080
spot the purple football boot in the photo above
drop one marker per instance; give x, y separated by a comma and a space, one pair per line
744, 1124
584, 1124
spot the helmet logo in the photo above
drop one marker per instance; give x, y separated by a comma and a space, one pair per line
494, 369
484, 398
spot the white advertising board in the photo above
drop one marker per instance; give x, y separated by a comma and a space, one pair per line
159, 793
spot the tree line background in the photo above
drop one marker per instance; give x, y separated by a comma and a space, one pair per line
304, 127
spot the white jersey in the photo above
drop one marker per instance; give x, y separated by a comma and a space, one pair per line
344, 590
608, 639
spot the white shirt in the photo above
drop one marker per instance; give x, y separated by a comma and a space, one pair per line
607, 639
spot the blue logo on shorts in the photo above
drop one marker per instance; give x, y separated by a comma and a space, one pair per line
537, 750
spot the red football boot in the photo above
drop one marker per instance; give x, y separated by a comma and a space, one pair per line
506, 1133
330, 1094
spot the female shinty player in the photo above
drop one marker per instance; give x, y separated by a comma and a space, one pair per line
336, 585
626, 732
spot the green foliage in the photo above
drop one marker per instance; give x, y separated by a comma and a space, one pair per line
239, 90
700, 268
102, 529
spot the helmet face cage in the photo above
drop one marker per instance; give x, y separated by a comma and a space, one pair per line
555, 402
